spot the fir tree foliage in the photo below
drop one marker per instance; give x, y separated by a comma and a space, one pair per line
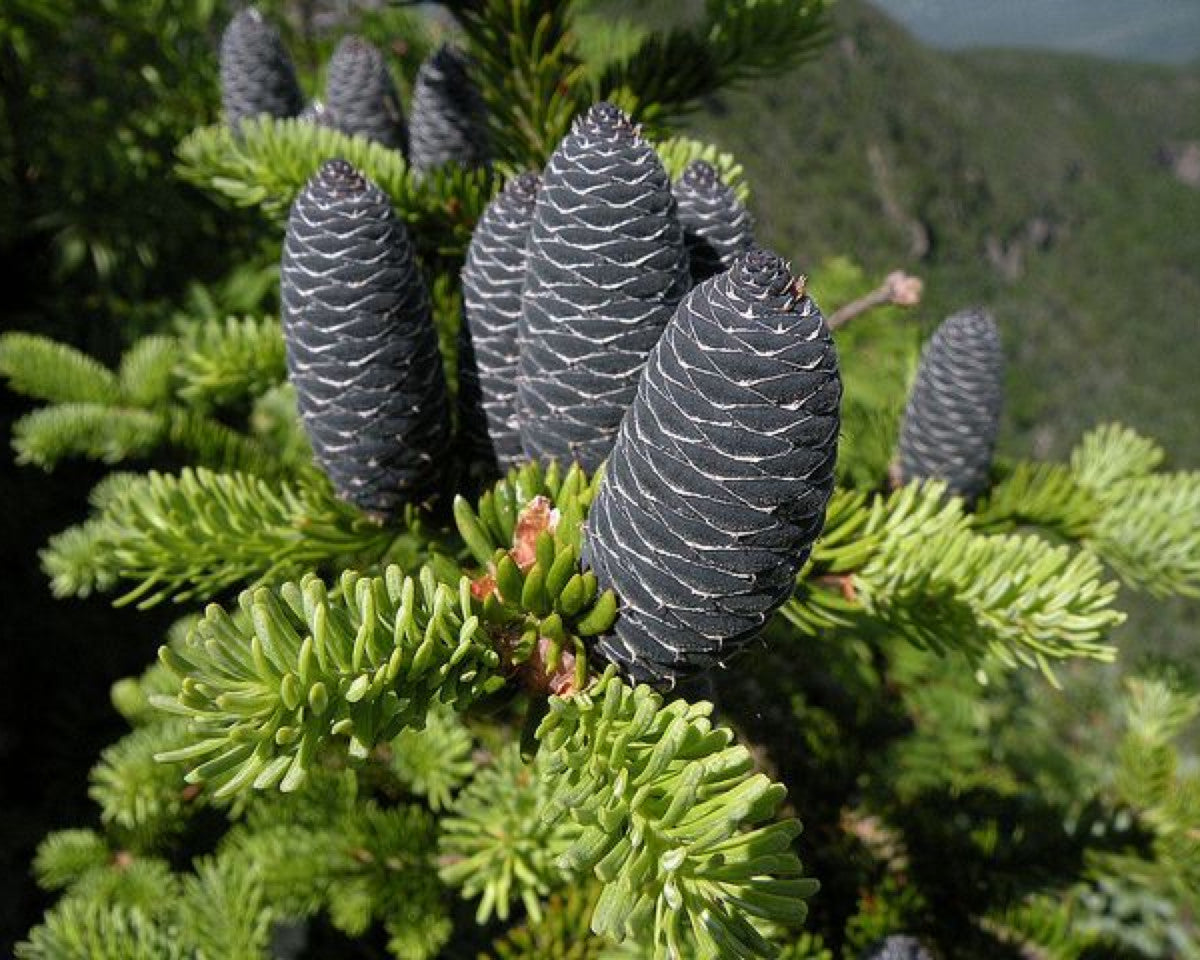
350, 719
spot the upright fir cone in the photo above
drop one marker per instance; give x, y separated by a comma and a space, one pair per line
360, 98
897, 947
607, 267
491, 280
361, 347
257, 75
716, 227
953, 413
718, 483
449, 119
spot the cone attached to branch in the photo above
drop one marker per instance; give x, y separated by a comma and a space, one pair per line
257, 75
361, 346
953, 414
360, 98
449, 119
716, 226
492, 279
607, 267
718, 483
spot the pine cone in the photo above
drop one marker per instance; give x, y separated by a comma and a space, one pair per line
257, 75
953, 414
449, 119
314, 112
360, 98
492, 279
361, 347
716, 227
606, 269
718, 483
897, 947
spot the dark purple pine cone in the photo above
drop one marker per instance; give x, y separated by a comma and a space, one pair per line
361, 347
897, 947
257, 75
360, 98
716, 227
953, 413
718, 483
491, 280
449, 119
607, 267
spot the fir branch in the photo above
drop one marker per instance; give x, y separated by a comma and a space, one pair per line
224, 362
146, 371
93, 430
524, 62
497, 846
199, 532
144, 799
1018, 597
265, 689
47, 370
669, 73
434, 761
1111, 453
223, 912
675, 823
912, 560
1046, 495
75, 930
1149, 532
269, 162
65, 856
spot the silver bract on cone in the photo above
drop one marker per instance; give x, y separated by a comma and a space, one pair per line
607, 267
719, 480
953, 413
449, 119
716, 226
257, 75
491, 281
361, 347
360, 98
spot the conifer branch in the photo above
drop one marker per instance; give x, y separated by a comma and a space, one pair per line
912, 560
271, 160
669, 73
268, 687
224, 362
674, 820
199, 532
47, 370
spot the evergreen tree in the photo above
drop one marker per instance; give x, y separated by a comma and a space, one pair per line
383, 698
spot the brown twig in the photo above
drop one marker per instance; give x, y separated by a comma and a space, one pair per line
898, 289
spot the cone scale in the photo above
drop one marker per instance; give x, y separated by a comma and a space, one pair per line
719, 480
361, 347
953, 412
606, 269
492, 279
360, 98
449, 120
716, 226
257, 75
